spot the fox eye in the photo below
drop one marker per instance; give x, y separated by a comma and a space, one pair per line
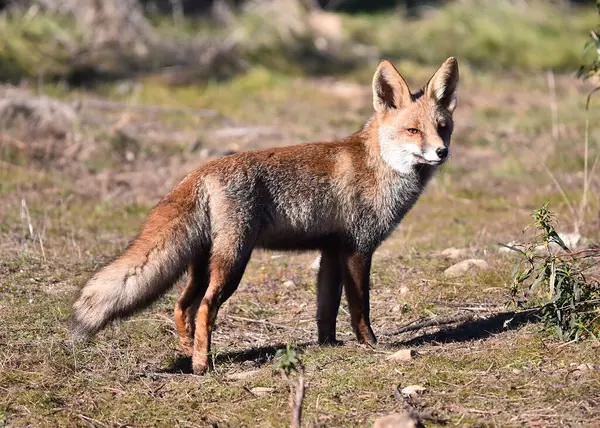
413, 131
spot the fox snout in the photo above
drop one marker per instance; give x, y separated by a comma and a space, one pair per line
435, 155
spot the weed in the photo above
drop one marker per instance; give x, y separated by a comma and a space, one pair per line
570, 301
288, 359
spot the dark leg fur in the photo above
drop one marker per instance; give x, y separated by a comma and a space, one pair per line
356, 269
329, 292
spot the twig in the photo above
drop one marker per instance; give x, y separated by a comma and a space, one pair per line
586, 250
91, 421
297, 404
233, 317
42, 247
26, 218
553, 106
585, 166
431, 322
475, 306
296, 398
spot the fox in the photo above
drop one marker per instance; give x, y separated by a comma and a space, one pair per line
341, 198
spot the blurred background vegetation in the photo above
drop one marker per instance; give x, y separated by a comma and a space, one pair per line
84, 41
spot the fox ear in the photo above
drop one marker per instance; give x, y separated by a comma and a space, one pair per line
443, 86
390, 90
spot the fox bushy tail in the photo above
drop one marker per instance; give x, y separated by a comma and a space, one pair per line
169, 240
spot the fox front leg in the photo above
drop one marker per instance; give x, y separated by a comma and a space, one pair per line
356, 269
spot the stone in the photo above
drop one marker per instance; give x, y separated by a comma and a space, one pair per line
461, 268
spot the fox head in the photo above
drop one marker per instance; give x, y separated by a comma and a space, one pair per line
414, 129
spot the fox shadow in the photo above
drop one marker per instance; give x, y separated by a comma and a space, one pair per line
472, 330
260, 355
466, 331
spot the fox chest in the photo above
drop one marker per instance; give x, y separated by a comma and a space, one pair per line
375, 218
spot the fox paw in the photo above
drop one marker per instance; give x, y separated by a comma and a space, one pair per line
200, 366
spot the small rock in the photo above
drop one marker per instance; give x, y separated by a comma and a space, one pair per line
289, 283
459, 269
402, 355
397, 420
585, 367
413, 390
262, 390
578, 370
403, 290
453, 253
315, 264
242, 375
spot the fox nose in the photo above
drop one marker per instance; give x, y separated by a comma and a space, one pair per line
442, 152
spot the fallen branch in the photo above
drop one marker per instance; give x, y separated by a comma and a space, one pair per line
470, 306
430, 322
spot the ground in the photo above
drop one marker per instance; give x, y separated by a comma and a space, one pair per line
74, 195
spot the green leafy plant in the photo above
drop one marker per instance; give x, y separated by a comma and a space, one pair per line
288, 359
591, 49
552, 277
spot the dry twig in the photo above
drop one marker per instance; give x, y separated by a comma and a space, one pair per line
296, 398
430, 322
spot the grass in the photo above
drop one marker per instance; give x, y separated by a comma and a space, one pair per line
86, 204
34, 45
493, 35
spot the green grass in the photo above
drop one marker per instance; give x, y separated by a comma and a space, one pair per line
36, 45
493, 35
486, 34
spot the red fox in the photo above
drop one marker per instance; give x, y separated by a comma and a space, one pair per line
341, 198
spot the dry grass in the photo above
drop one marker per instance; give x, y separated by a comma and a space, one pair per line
85, 201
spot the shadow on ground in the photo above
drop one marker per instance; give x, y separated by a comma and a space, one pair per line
472, 330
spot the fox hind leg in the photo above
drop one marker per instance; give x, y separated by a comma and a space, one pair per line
226, 271
189, 301
329, 293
